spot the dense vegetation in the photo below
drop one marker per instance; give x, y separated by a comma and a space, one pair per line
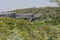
47, 27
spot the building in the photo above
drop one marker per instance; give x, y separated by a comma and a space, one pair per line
7, 14
29, 16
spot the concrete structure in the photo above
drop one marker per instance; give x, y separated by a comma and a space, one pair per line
7, 14
29, 16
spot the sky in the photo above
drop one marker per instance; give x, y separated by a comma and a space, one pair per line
19, 4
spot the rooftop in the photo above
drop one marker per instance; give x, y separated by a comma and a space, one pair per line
6, 12
25, 13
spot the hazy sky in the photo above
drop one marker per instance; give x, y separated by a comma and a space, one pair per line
18, 4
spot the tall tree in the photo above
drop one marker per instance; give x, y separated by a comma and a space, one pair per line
57, 1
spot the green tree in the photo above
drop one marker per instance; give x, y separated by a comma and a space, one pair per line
57, 1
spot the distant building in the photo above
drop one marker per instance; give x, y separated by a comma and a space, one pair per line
29, 16
7, 14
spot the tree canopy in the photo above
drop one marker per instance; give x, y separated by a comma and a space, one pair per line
57, 1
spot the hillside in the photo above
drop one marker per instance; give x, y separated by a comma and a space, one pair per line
47, 27
47, 12
38, 10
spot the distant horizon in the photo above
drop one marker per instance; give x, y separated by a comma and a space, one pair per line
28, 7
7, 5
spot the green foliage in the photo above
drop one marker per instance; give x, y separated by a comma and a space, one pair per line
56, 1
45, 28
12, 29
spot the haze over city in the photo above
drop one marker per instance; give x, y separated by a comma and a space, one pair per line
6, 5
